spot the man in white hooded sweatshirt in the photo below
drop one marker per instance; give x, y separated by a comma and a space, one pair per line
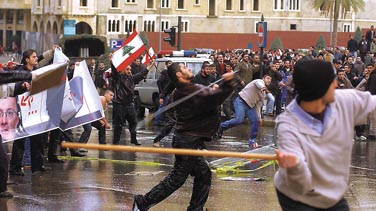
249, 102
314, 137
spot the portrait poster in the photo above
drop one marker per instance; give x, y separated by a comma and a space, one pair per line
35, 114
85, 98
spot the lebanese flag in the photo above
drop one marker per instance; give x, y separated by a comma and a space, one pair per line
148, 56
131, 49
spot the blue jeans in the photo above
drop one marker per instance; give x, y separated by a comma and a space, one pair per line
27, 153
269, 103
159, 118
242, 109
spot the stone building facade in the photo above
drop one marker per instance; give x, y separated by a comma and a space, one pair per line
117, 18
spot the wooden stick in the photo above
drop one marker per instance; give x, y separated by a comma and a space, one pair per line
191, 152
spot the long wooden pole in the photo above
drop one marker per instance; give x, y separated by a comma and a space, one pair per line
191, 152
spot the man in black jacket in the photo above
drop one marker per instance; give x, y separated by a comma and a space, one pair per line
162, 83
352, 46
371, 87
204, 77
197, 120
123, 101
30, 62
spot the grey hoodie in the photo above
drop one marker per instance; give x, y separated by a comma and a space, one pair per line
321, 177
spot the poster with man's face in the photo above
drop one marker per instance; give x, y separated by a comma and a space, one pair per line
9, 118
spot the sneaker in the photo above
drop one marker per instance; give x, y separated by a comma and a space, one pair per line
6, 194
362, 138
157, 144
82, 150
357, 138
253, 144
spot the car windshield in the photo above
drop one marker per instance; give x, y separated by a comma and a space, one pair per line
194, 66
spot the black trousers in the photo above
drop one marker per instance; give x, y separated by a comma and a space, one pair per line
56, 136
3, 167
37, 145
18, 151
120, 114
184, 166
101, 131
287, 204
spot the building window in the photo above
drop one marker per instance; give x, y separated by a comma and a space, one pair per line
346, 27
294, 5
9, 16
149, 26
241, 5
180, 4
228, 4
83, 3
292, 26
131, 1
59, 3
197, 2
150, 4
129, 25
1, 17
20, 17
39, 3
113, 26
165, 25
184, 26
256, 5
279, 4
165, 3
114, 3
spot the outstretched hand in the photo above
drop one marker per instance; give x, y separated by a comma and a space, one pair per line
286, 160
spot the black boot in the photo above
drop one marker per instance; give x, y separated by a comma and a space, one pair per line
76, 153
137, 205
135, 143
54, 159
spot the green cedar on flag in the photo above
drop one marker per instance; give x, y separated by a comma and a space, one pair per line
131, 48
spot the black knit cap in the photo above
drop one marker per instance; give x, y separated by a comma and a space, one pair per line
312, 78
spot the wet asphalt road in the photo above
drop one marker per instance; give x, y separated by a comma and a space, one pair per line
106, 180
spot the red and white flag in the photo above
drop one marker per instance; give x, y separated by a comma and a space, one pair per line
131, 48
148, 56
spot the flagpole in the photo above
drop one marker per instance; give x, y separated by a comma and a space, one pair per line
147, 51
